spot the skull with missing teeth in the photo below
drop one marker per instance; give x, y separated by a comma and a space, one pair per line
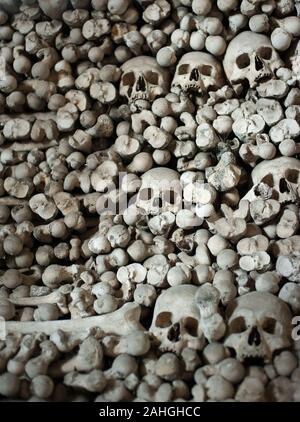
250, 58
176, 319
143, 79
276, 179
258, 325
160, 191
197, 73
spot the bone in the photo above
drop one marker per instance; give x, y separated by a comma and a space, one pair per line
135, 71
249, 43
207, 299
167, 316
149, 177
30, 117
89, 357
55, 297
269, 305
288, 266
123, 321
135, 344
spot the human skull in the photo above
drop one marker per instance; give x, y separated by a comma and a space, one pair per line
143, 79
276, 179
160, 191
197, 73
176, 319
258, 325
250, 57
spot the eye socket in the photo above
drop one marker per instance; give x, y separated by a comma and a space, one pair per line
152, 77
170, 196
163, 320
265, 53
243, 61
183, 69
269, 325
191, 326
145, 194
206, 70
128, 78
292, 175
238, 325
268, 180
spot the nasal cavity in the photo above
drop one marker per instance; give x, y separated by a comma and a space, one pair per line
254, 337
194, 76
258, 63
157, 202
174, 333
283, 186
140, 85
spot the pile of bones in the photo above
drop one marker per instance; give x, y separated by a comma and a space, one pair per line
151, 104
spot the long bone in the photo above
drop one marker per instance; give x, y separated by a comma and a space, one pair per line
57, 297
120, 322
28, 146
11, 202
31, 117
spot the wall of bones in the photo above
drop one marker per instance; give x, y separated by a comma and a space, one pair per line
149, 200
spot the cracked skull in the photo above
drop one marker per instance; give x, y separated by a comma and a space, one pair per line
197, 73
258, 325
143, 79
176, 319
276, 179
160, 191
250, 58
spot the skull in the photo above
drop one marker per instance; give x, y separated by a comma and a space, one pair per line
143, 79
258, 325
197, 73
160, 191
250, 57
276, 179
176, 319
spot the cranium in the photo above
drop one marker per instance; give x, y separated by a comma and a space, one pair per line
258, 325
276, 179
176, 319
143, 79
250, 57
160, 191
197, 72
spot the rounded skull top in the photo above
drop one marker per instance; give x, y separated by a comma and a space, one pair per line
150, 200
